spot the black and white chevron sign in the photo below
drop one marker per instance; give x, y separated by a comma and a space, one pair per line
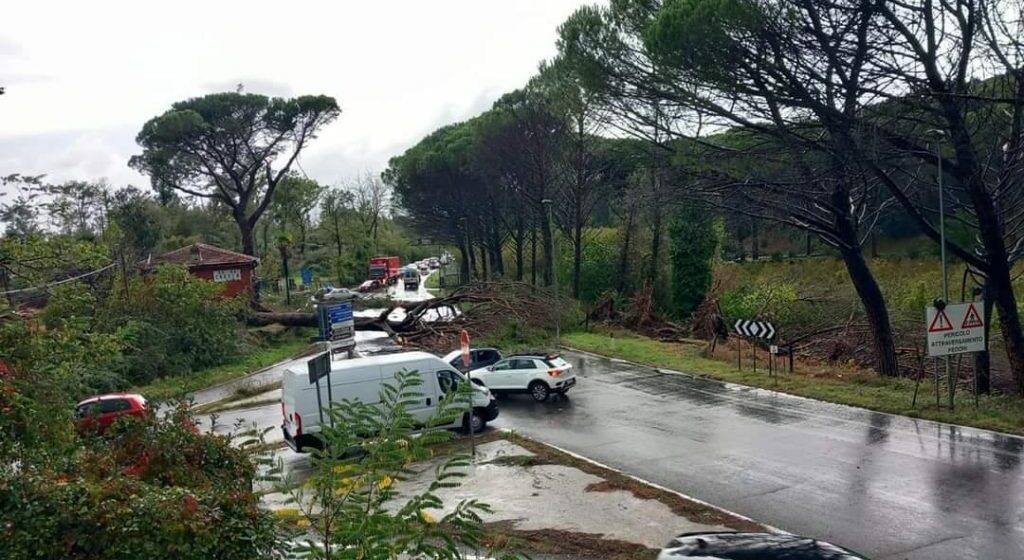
755, 329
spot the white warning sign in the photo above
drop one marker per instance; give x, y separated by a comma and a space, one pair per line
956, 329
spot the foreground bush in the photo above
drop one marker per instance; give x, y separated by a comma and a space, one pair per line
44, 515
150, 489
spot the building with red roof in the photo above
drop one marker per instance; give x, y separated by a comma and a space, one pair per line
234, 270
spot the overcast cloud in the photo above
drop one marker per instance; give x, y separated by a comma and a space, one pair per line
82, 77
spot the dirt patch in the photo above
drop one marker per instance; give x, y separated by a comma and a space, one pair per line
519, 461
460, 443
503, 535
613, 480
251, 390
240, 398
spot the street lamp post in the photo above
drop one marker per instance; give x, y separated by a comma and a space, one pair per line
942, 250
469, 250
554, 275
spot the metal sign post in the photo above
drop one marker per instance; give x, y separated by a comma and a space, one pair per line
464, 344
337, 329
953, 329
753, 330
318, 367
942, 245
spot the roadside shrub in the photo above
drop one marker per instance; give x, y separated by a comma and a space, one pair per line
65, 360
597, 265
150, 488
777, 301
167, 453
517, 336
169, 323
173, 322
693, 244
51, 516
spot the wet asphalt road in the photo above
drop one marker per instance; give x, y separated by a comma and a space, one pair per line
887, 486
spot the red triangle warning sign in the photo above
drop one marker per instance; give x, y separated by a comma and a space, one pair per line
972, 320
940, 323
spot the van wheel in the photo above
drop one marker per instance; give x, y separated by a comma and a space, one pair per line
539, 391
475, 420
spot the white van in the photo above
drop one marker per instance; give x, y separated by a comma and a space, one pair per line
362, 379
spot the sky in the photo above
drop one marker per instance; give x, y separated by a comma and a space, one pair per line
81, 78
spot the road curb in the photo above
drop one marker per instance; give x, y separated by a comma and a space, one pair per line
705, 377
670, 371
575, 455
252, 373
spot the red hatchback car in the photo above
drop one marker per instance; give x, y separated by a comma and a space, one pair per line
96, 414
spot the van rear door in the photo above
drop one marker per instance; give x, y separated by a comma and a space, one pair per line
292, 396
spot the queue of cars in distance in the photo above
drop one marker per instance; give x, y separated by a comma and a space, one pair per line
411, 278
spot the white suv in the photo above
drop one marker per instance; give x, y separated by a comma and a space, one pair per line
533, 373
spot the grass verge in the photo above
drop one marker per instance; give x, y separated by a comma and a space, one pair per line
238, 402
433, 281
996, 412
517, 337
179, 385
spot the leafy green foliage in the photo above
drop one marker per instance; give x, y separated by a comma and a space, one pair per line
169, 323
597, 262
694, 239
223, 147
177, 322
99, 340
150, 488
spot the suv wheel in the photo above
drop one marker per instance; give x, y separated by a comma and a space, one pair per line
539, 391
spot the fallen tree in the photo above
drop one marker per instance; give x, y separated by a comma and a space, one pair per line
482, 308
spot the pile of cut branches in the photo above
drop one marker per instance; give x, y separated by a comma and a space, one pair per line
641, 316
482, 308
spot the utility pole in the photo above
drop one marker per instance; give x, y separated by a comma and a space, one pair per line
554, 275
942, 252
283, 247
469, 249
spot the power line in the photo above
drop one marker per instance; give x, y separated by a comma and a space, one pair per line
59, 282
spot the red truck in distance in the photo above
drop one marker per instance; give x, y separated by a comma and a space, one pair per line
385, 270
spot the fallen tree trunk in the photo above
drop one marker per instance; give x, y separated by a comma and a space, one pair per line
299, 319
263, 318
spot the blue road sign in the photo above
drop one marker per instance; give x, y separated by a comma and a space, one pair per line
307, 276
340, 313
